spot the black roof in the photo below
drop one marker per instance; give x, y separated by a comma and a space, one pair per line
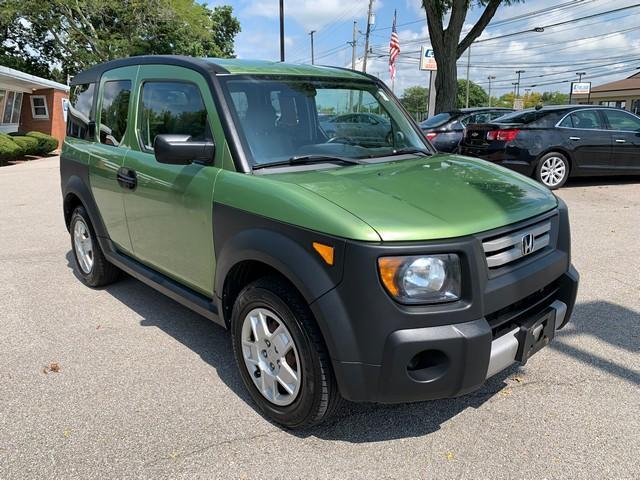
93, 74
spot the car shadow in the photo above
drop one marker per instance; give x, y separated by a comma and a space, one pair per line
362, 423
599, 181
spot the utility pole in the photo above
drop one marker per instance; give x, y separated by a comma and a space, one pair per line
490, 77
468, 65
366, 38
518, 72
282, 30
313, 62
515, 84
354, 44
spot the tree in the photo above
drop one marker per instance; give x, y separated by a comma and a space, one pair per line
415, 98
555, 98
477, 96
447, 46
75, 34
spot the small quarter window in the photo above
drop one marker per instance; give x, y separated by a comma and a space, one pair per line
39, 109
80, 112
115, 111
171, 108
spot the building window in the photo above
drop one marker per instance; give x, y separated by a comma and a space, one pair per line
39, 109
12, 105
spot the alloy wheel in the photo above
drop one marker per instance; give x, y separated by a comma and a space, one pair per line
553, 171
83, 245
271, 357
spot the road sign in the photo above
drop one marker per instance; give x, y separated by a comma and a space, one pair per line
428, 60
580, 88
518, 103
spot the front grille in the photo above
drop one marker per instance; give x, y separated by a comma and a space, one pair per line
514, 245
507, 318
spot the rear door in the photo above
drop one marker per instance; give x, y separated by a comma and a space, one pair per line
170, 210
584, 133
114, 139
625, 130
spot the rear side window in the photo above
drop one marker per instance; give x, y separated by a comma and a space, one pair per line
80, 111
619, 120
171, 108
115, 111
584, 119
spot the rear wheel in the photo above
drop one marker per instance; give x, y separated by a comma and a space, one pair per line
281, 355
553, 170
91, 265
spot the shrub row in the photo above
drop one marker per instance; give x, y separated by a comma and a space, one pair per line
31, 143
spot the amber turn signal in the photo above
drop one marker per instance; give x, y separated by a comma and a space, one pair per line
325, 251
388, 268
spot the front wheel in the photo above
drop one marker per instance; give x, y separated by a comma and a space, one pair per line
281, 355
553, 170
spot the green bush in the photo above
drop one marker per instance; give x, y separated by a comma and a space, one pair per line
29, 145
9, 150
46, 143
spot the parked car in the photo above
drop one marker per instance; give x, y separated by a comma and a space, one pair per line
555, 142
380, 273
445, 130
366, 128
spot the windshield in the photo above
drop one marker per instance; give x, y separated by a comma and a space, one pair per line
283, 118
522, 117
436, 120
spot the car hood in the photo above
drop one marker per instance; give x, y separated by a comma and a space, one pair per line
423, 198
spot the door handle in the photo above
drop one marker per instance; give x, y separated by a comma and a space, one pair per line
620, 140
127, 178
574, 138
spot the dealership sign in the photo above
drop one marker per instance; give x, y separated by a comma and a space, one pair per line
580, 88
428, 60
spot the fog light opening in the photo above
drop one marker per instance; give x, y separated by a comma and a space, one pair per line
428, 365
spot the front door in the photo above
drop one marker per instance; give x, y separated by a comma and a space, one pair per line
169, 212
625, 129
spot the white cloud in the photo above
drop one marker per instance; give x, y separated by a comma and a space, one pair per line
311, 14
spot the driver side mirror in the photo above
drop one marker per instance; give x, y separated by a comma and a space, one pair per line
175, 149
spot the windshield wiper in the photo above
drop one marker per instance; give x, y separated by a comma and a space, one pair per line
309, 159
411, 150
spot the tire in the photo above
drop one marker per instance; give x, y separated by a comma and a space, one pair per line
272, 302
553, 170
90, 263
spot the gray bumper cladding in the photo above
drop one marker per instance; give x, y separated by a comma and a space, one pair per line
505, 348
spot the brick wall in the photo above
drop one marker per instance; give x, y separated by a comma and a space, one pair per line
54, 125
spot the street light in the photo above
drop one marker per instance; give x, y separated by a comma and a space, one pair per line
491, 77
580, 75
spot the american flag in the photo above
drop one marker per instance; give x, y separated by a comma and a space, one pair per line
394, 48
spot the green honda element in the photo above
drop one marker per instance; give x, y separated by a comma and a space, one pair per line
301, 208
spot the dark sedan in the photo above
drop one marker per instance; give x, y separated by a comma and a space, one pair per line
555, 142
445, 130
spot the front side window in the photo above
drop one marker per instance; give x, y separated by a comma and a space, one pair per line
115, 111
619, 120
80, 113
281, 118
171, 108
39, 108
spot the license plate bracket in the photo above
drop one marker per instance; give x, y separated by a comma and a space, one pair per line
535, 333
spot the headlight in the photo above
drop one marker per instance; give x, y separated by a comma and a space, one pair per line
421, 279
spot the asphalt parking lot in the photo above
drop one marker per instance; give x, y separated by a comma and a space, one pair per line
124, 383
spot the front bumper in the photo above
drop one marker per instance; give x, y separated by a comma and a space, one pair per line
390, 353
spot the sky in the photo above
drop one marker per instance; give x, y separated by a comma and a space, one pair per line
605, 47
